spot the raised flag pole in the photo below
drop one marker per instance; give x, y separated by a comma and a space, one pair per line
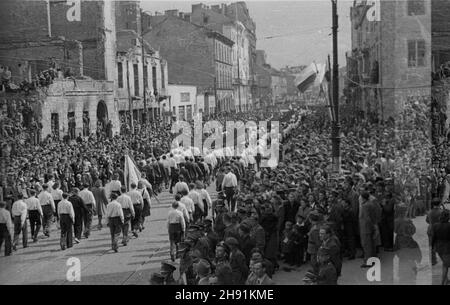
335, 128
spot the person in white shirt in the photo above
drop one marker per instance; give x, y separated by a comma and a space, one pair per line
198, 204
138, 203
146, 206
229, 185
66, 216
114, 214
115, 185
56, 193
128, 213
176, 227
183, 209
89, 200
190, 207
34, 214
48, 209
181, 185
6, 228
204, 197
19, 213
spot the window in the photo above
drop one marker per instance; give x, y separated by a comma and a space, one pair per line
416, 7
416, 53
181, 113
136, 79
120, 72
185, 97
189, 112
145, 77
154, 78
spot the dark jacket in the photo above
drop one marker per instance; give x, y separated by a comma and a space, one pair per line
239, 267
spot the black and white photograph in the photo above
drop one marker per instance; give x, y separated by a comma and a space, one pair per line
237, 144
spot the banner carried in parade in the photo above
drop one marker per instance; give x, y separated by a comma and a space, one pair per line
131, 172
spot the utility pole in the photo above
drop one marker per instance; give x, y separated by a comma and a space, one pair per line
145, 77
215, 95
130, 101
335, 128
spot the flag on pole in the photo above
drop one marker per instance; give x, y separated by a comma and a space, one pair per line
373, 13
131, 172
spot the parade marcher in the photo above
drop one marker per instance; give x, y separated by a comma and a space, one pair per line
138, 204
198, 203
188, 203
147, 204
34, 214
128, 213
66, 216
181, 185
19, 213
229, 185
80, 209
89, 200
204, 197
56, 193
115, 218
48, 209
6, 229
101, 201
176, 227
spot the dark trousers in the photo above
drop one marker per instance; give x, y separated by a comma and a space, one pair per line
56, 209
18, 228
78, 224
205, 208
350, 239
231, 200
87, 219
47, 218
126, 225
35, 223
115, 227
66, 225
136, 222
5, 237
387, 233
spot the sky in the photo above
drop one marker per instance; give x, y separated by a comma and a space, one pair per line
302, 28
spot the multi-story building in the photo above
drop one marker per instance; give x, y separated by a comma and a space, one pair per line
196, 56
183, 102
263, 92
390, 61
141, 81
79, 41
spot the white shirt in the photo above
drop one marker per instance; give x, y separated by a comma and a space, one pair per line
182, 208
188, 203
56, 194
229, 180
115, 185
114, 209
179, 186
87, 196
5, 218
136, 197
176, 216
195, 196
204, 195
20, 208
66, 207
46, 199
172, 162
125, 202
33, 204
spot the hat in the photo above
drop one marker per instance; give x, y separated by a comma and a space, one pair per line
231, 241
167, 266
203, 267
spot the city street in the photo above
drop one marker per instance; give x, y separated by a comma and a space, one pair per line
45, 263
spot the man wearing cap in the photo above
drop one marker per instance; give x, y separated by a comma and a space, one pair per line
89, 200
203, 271
167, 270
114, 214
138, 203
128, 213
6, 228
66, 216
314, 241
79, 208
34, 214
238, 262
19, 213
48, 209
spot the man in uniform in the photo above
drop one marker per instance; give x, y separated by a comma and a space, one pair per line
34, 214
89, 200
6, 228
48, 209
167, 270
138, 204
66, 216
114, 214
19, 213
128, 213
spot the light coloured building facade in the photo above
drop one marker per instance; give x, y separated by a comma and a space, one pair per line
182, 102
